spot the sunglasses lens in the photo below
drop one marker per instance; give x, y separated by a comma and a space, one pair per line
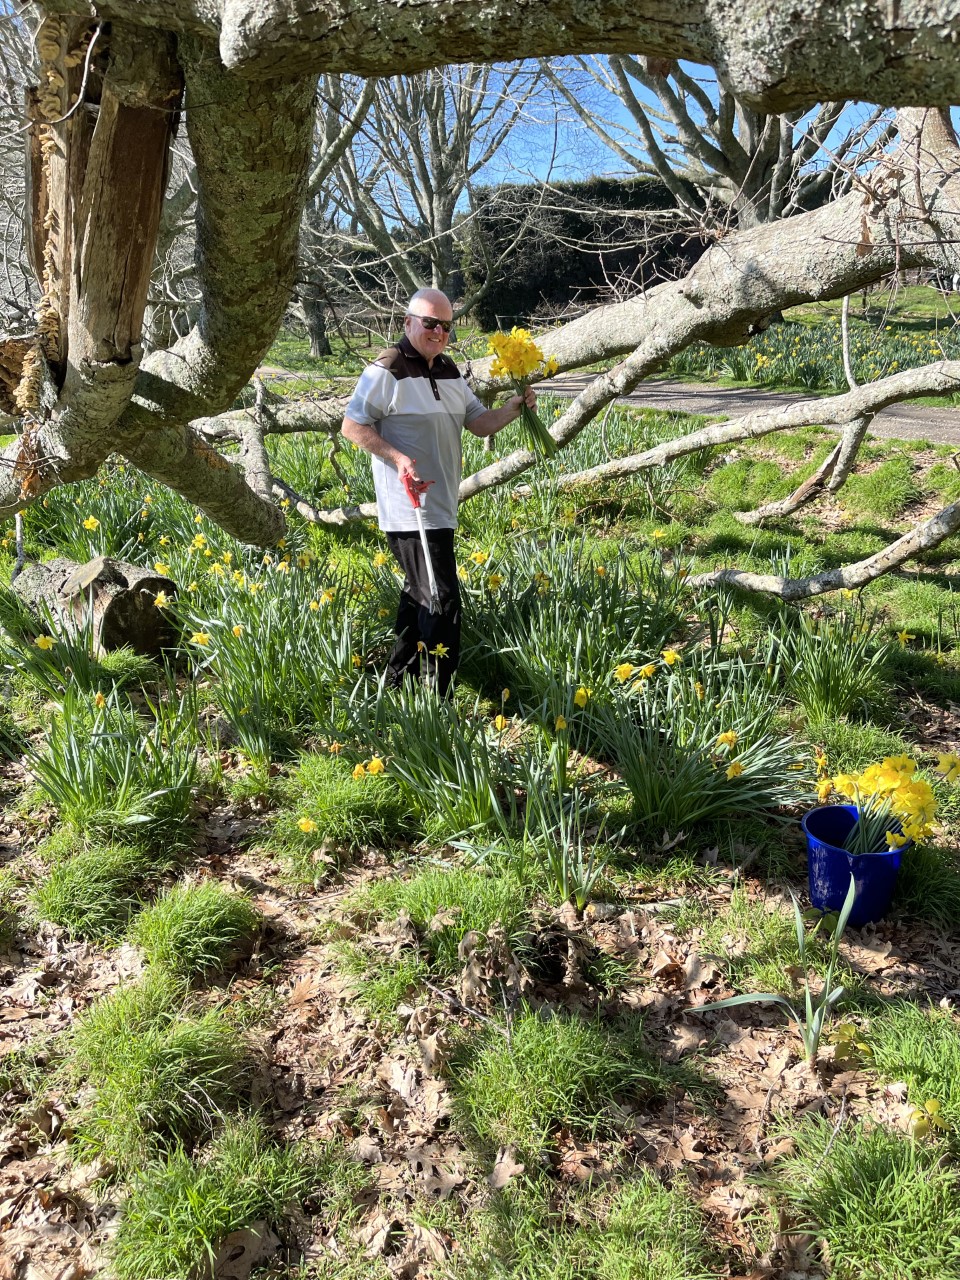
431, 323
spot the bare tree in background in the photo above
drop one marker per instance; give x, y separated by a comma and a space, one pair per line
385, 218
721, 159
17, 70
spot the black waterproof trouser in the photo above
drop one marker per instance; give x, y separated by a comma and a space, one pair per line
428, 644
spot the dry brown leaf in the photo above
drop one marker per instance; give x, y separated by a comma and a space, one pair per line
239, 1252
505, 1168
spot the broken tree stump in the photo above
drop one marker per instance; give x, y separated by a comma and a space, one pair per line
119, 598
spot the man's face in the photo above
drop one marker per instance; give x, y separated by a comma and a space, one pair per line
429, 342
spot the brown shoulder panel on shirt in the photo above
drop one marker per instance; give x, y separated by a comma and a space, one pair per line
401, 364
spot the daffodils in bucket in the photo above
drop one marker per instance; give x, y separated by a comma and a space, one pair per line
517, 357
893, 806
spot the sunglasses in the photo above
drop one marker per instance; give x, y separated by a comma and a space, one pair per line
431, 322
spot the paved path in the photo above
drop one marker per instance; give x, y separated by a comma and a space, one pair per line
897, 422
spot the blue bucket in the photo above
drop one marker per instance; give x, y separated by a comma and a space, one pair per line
829, 866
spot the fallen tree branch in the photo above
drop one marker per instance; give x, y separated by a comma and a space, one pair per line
318, 515
867, 401
925, 537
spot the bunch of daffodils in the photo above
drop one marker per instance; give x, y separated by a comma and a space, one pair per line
893, 805
517, 357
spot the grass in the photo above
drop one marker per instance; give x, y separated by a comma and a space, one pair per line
444, 905
158, 1070
93, 892
755, 940
516, 1089
881, 1206
922, 1046
326, 808
928, 886
180, 1209
381, 985
194, 929
639, 1230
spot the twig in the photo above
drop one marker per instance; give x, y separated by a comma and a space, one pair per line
465, 1008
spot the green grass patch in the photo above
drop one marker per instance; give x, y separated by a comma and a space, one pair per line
195, 929
159, 1070
642, 1230
755, 940
179, 1209
325, 807
382, 984
850, 746
446, 903
928, 885
885, 492
882, 1206
921, 1046
93, 892
516, 1087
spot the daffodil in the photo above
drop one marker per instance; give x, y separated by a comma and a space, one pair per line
307, 825
949, 765
192, 587
91, 523
582, 696
380, 559
359, 771
601, 571
162, 568
699, 690
648, 670
440, 651
559, 723
44, 642
327, 596
500, 723
729, 738
99, 700
202, 638
735, 770
164, 541
904, 637
824, 790
314, 606
624, 671
335, 748
670, 656
161, 600
375, 766
356, 660
479, 557
495, 581
237, 630
505, 695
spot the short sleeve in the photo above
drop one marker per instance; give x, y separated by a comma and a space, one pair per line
372, 396
473, 407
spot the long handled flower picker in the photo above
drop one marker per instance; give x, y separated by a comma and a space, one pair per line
416, 491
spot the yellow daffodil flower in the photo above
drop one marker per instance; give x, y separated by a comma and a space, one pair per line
359, 771
99, 701
440, 651
376, 766
380, 559
904, 637
192, 587
307, 825
161, 568
582, 696
202, 638
601, 571
44, 642
699, 690
161, 600
91, 523
623, 672
479, 557
729, 738
357, 660
335, 748
648, 670
164, 541
670, 656
237, 630
559, 723
500, 723
314, 606
495, 581
824, 790
735, 770
949, 765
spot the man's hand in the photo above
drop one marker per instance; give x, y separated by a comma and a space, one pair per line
406, 467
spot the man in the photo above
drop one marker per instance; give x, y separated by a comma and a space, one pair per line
408, 412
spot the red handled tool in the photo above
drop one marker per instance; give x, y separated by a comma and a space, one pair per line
416, 492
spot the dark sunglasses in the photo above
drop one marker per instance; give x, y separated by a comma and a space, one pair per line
431, 322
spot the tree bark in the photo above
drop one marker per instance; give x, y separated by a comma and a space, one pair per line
118, 599
773, 56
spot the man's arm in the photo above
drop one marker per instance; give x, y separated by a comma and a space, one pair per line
489, 423
372, 441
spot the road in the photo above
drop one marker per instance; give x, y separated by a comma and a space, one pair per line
897, 422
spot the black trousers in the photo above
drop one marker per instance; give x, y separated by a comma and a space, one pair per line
420, 632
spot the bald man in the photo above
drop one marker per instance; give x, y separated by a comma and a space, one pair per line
408, 412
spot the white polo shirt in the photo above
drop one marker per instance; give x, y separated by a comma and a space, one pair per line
421, 410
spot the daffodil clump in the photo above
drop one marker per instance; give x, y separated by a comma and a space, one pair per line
517, 357
894, 806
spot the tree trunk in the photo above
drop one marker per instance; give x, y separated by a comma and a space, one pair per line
315, 318
118, 598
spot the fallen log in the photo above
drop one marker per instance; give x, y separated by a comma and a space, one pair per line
116, 599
